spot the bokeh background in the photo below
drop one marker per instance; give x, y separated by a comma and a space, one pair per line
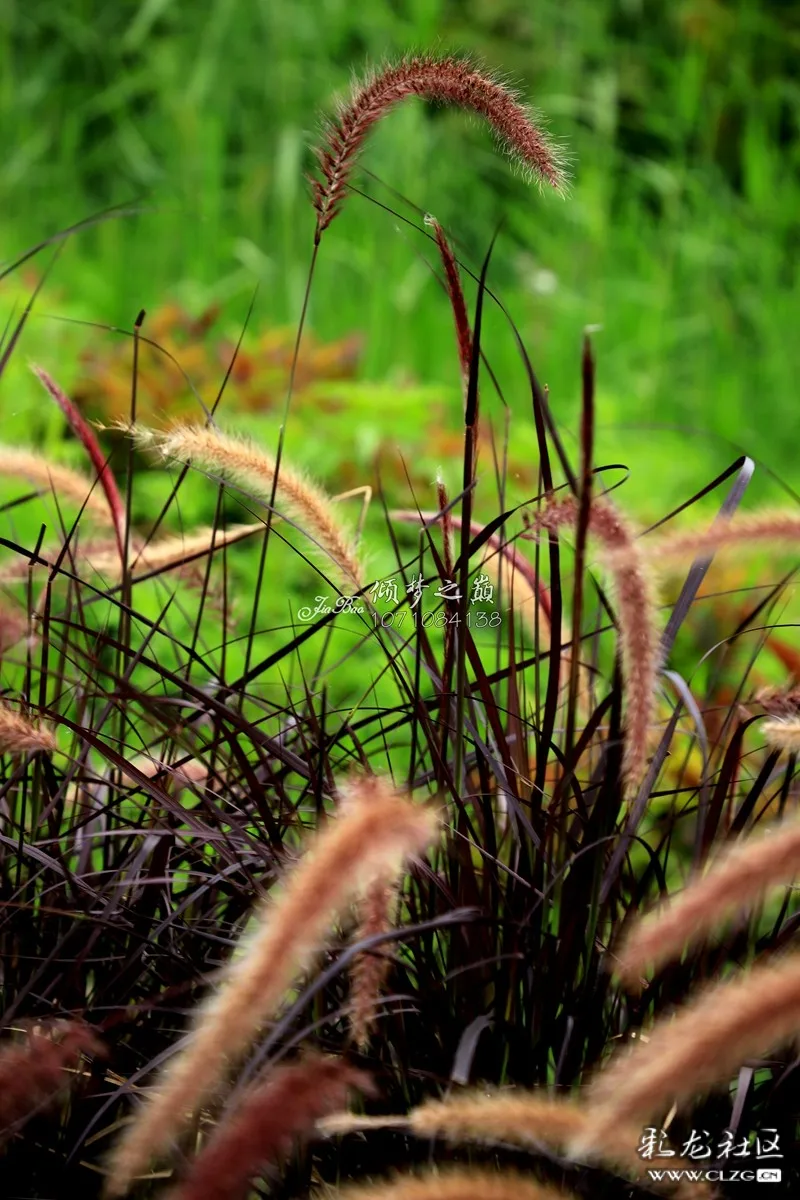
679, 236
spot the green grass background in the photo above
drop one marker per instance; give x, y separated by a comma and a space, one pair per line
679, 235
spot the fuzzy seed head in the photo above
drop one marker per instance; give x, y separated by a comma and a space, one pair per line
18, 735
377, 830
452, 81
254, 470
737, 879
696, 1049
636, 613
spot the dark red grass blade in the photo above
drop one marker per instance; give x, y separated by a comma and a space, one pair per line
88, 440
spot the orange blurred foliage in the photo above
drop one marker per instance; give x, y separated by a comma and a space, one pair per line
174, 345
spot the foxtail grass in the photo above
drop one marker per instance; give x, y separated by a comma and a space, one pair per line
34, 1073
448, 80
253, 469
695, 1050
635, 596
375, 832
783, 734
265, 1124
370, 967
54, 478
18, 735
736, 880
775, 527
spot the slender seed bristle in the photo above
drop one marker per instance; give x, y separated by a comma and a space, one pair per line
737, 880
100, 556
636, 614
523, 1118
254, 470
696, 1049
529, 1119
178, 551
445, 81
377, 829
779, 701
18, 735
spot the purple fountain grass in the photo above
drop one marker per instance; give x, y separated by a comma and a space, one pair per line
636, 615
18, 735
13, 626
191, 773
523, 1118
531, 1119
88, 440
64, 482
783, 734
34, 1073
268, 1120
371, 967
445, 81
375, 832
174, 552
696, 1049
779, 527
779, 701
456, 293
736, 880
253, 469
100, 556
509, 569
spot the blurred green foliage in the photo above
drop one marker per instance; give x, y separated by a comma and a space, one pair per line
679, 236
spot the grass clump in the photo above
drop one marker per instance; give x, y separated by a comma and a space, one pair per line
203, 800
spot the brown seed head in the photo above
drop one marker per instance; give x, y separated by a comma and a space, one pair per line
18, 735
253, 469
696, 1049
445, 81
375, 832
636, 615
736, 880
264, 1125
35, 1072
